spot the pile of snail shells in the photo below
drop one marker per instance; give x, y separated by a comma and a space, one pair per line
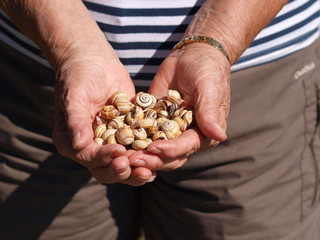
138, 124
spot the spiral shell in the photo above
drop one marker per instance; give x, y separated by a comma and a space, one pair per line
180, 113
97, 121
160, 135
134, 115
173, 95
140, 133
182, 103
100, 129
152, 130
145, 100
144, 123
98, 141
141, 144
112, 139
182, 123
115, 123
109, 112
171, 129
151, 113
188, 117
107, 133
161, 120
124, 107
162, 104
125, 136
172, 109
163, 113
119, 97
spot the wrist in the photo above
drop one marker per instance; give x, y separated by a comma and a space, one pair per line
201, 39
233, 23
207, 23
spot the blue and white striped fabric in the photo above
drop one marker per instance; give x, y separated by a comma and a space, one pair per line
143, 32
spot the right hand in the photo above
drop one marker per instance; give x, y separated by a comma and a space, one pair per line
85, 81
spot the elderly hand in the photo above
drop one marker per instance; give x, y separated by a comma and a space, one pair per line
201, 74
85, 81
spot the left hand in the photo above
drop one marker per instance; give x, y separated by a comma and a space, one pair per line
202, 75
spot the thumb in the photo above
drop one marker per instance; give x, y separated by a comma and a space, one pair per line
79, 123
211, 111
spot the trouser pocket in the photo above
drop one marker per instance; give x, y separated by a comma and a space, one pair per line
311, 155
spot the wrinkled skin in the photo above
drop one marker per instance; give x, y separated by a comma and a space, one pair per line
75, 109
198, 71
201, 74
89, 72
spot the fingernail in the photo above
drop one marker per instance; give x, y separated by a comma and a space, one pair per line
122, 169
138, 163
76, 139
117, 153
151, 179
154, 150
221, 131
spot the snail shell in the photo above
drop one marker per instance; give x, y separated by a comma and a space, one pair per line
161, 120
129, 124
144, 123
124, 107
173, 95
182, 123
151, 113
125, 136
145, 100
98, 120
163, 113
119, 97
140, 133
141, 144
99, 141
160, 135
180, 113
100, 129
115, 123
187, 117
134, 115
162, 104
107, 133
172, 109
109, 112
112, 139
182, 103
171, 129
152, 130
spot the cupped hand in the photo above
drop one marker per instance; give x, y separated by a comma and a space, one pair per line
202, 75
85, 81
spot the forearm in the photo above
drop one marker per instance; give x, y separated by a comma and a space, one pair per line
234, 23
58, 27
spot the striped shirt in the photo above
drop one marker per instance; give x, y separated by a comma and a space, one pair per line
143, 32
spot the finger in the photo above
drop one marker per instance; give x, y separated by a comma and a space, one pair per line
76, 111
140, 176
159, 85
156, 163
146, 160
187, 143
211, 111
117, 170
95, 155
61, 138
170, 154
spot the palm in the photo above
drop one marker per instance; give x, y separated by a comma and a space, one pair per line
203, 83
